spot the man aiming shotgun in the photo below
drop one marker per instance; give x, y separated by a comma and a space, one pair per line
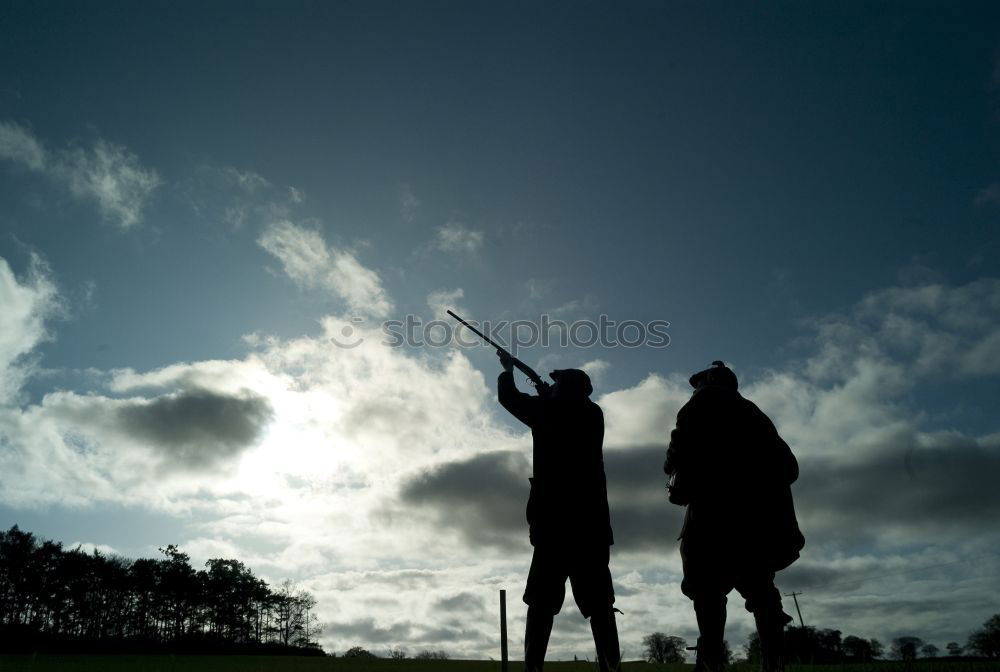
569, 523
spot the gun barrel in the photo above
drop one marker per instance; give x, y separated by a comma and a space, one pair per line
527, 370
478, 333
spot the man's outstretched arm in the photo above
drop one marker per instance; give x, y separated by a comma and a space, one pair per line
522, 406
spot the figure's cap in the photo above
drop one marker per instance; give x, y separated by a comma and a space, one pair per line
573, 379
719, 374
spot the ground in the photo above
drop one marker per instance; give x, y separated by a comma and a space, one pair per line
296, 664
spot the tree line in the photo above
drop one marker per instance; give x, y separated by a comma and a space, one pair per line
823, 645
64, 599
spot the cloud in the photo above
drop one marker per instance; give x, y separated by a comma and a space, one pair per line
409, 204
19, 145
596, 368
368, 631
113, 177
456, 238
461, 602
27, 305
442, 300
247, 180
912, 484
482, 497
645, 413
311, 264
387, 482
82, 448
927, 330
238, 198
197, 428
88, 548
108, 174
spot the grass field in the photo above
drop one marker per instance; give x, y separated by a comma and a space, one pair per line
294, 664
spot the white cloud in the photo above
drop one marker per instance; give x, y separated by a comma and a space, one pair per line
247, 180
238, 198
455, 237
27, 304
19, 145
409, 204
88, 548
596, 368
112, 176
310, 263
443, 300
107, 173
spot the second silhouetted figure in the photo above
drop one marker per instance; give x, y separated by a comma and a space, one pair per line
568, 518
733, 472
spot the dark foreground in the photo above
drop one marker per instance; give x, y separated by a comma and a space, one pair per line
45, 663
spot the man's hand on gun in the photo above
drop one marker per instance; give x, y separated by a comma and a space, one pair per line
506, 361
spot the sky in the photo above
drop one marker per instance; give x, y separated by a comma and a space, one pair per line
210, 211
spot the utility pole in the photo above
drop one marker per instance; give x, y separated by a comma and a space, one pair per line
794, 596
503, 631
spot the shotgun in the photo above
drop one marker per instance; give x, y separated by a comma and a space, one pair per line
535, 379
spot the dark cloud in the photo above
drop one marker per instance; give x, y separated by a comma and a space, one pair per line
484, 497
365, 631
452, 633
641, 516
197, 428
936, 492
460, 602
903, 612
810, 576
399, 579
901, 487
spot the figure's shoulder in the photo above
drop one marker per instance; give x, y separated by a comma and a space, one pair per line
751, 407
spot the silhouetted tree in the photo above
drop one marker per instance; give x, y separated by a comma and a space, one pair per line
906, 648
57, 598
809, 644
954, 649
358, 652
663, 648
751, 650
432, 655
929, 651
877, 648
857, 649
396, 653
812, 645
986, 640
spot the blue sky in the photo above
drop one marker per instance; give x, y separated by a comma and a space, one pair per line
197, 197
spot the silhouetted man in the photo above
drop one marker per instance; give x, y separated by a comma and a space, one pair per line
568, 519
733, 472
